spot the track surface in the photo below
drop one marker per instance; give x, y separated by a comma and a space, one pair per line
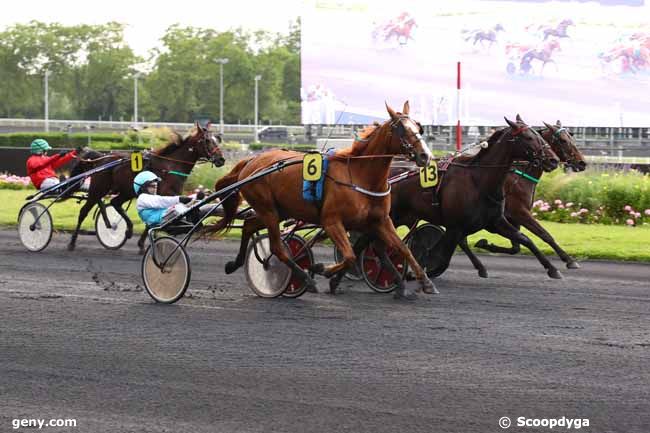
80, 339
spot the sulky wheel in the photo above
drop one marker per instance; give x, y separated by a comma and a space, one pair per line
422, 244
267, 276
379, 278
350, 274
114, 236
167, 274
35, 226
303, 256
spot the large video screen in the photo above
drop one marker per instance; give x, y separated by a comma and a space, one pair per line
586, 63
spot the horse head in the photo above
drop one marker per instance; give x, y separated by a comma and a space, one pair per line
406, 136
530, 146
206, 145
564, 145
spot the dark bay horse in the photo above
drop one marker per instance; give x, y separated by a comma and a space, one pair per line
172, 163
544, 55
357, 196
470, 197
520, 193
560, 30
481, 36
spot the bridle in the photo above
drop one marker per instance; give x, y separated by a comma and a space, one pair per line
211, 152
398, 129
533, 156
556, 140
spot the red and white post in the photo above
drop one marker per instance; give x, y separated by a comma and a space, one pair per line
459, 130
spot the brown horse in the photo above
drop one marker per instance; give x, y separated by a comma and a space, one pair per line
520, 192
357, 196
470, 197
173, 163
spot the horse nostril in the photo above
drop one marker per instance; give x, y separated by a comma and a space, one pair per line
582, 165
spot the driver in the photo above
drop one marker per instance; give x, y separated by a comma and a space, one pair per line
40, 167
154, 209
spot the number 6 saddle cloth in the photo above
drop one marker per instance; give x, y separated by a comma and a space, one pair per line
312, 191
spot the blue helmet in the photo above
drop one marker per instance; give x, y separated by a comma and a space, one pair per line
142, 178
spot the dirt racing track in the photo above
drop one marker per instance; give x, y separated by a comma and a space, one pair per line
79, 338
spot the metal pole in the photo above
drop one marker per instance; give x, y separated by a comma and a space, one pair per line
135, 100
221, 61
257, 79
47, 102
459, 129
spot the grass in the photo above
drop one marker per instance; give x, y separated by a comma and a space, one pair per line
582, 241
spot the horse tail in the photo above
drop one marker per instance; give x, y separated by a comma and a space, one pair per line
231, 204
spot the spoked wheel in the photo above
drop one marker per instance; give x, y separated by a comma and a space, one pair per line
422, 244
35, 226
378, 277
114, 236
350, 274
267, 276
167, 275
303, 256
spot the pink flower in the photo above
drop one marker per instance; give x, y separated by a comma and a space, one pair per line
558, 201
569, 204
647, 212
574, 214
629, 222
540, 202
627, 208
560, 206
637, 214
583, 210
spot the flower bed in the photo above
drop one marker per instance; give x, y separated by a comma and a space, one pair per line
11, 181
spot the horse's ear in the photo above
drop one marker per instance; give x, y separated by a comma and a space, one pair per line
549, 127
207, 125
391, 112
406, 108
519, 119
511, 123
197, 125
558, 123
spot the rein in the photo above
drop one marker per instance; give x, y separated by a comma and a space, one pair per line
525, 175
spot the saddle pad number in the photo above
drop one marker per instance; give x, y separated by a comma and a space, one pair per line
429, 176
136, 161
312, 167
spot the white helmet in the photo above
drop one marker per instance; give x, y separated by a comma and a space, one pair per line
143, 178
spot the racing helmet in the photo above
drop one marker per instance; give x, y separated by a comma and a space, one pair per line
39, 146
142, 179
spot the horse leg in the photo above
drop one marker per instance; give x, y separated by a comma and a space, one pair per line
504, 228
88, 205
250, 226
535, 227
478, 265
143, 238
361, 244
387, 233
493, 248
339, 236
271, 220
117, 203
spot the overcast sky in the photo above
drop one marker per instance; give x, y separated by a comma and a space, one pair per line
147, 21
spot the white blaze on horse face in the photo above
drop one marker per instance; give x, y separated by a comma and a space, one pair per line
414, 130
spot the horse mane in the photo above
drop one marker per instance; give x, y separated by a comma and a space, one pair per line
361, 140
492, 139
175, 141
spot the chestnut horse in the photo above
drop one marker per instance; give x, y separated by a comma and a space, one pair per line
173, 164
357, 197
520, 192
470, 197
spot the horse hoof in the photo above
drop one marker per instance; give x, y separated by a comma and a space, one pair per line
311, 288
555, 274
481, 243
129, 235
482, 273
71, 247
429, 288
573, 265
317, 268
410, 276
231, 267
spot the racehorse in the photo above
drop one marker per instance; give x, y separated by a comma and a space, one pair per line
172, 163
544, 55
489, 35
357, 196
520, 190
470, 196
560, 30
401, 33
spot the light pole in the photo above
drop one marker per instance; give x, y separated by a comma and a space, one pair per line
135, 98
257, 79
47, 101
221, 61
